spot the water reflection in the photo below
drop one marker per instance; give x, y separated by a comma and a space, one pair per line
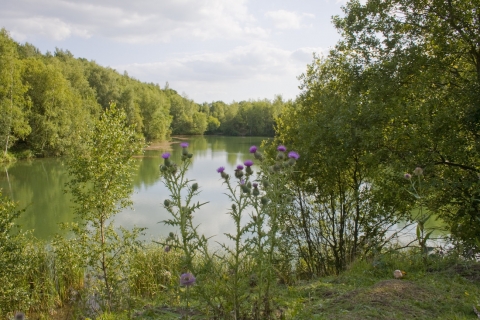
38, 186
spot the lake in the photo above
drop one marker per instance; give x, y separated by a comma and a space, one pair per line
38, 186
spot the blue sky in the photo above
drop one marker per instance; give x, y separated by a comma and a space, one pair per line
208, 50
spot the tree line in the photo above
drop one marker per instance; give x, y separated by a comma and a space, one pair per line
47, 100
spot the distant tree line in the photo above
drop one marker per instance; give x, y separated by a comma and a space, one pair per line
47, 100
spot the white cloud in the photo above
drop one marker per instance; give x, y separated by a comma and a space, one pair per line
140, 21
283, 19
258, 70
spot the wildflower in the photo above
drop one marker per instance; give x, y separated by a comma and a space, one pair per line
222, 173
408, 176
185, 154
239, 172
248, 163
281, 155
293, 155
253, 149
167, 162
187, 279
418, 171
255, 192
166, 249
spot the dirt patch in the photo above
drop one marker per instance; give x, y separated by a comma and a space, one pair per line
165, 145
160, 145
381, 301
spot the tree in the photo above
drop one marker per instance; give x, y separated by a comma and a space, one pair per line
344, 202
13, 105
421, 60
101, 185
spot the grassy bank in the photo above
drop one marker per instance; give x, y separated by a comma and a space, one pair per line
447, 287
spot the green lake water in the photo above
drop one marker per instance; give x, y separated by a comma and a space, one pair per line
38, 187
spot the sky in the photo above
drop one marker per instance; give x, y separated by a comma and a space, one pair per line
207, 50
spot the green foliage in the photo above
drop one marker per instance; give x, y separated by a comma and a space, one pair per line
101, 185
418, 65
13, 105
14, 294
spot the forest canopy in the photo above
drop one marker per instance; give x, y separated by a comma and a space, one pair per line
47, 100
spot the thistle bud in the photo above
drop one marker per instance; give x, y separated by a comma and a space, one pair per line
264, 201
256, 192
238, 173
195, 187
171, 235
245, 189
166, 203
265, 183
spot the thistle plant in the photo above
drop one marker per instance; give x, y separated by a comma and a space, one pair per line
266, 200
259, 200
238, 191
182, 209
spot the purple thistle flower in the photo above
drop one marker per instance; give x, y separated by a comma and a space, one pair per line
166, 155
221, 169
166, 249
281, 148
248, 163
255, 184
187, 279
253, 149
184, 144
408, 176
293, 155
242, 182
239, 167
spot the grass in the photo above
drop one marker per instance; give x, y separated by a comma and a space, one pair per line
444, 288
